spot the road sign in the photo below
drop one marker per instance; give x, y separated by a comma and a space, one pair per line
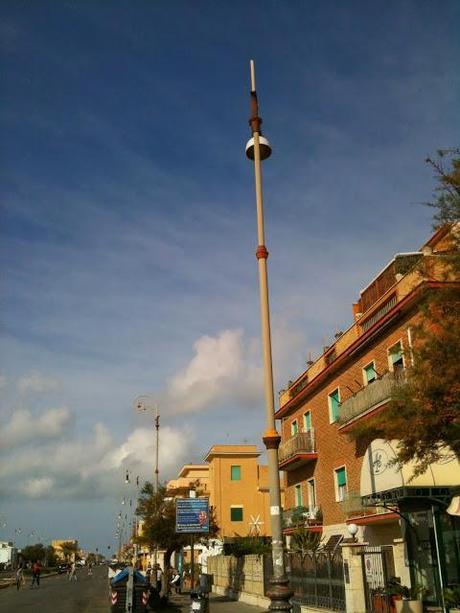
192, 515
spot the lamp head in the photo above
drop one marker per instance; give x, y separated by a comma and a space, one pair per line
264, 148
352, 529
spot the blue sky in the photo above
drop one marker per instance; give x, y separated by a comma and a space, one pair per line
128, 220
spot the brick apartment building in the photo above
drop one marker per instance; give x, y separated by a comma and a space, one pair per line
340, 482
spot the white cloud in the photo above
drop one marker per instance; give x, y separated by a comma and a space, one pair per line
37, 488
36, 383
224, 369
25, 427
92, 467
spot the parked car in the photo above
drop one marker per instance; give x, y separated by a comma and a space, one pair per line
63, 568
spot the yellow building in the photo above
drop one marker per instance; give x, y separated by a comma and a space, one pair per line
237, 487
57, 546
191, 476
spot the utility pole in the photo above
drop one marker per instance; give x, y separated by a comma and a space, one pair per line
257, 149
144, 403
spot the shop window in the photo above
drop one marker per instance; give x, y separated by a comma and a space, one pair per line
369, 373
334, 405
340, 483
236, 513
235, 473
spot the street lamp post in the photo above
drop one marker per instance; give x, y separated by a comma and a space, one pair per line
257, 149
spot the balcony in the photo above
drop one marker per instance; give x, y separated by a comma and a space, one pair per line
368, 400
302, 517
297, 451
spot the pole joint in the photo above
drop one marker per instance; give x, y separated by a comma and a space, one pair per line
255, 121
271, 439
261, 252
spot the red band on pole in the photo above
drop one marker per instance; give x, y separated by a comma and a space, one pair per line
261, 252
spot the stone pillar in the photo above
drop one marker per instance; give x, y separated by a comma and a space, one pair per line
354, 579
400, 555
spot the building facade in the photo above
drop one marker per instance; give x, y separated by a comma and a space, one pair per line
337, 481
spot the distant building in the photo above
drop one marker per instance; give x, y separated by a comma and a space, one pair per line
57, 546
7, 554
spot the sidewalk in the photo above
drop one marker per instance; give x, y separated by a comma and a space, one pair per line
217, 604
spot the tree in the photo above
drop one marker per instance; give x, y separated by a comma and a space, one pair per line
429, 398
31, 553
158, 513
69, 550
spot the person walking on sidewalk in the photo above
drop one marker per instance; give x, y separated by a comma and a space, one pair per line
73, 571
36, 569
90, 569
19, 577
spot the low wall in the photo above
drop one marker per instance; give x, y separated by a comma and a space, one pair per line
239, 578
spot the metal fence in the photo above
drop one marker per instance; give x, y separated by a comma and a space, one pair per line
316, 579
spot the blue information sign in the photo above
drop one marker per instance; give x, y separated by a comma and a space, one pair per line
192, 515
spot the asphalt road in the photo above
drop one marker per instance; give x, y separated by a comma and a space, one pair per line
59, 595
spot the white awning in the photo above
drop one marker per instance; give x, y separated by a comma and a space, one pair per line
454, 507
379, 474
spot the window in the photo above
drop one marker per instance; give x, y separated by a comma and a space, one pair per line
307, 421
395, 357
311, 494
369, 373
340, 483
334, 405
235, 473
298, 496
294, 427
236, 513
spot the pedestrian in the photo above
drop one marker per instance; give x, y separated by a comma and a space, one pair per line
19, 577
148, 574
73, 572
158, 577
90, 569
175, 581
36, 568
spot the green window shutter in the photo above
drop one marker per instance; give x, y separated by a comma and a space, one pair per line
235, 474
294, 427
371, 375
396, 354
307, 421
236, 513
298, 496
335, 404
341, 477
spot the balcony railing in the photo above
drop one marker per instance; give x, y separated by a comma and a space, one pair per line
302, 517
369, 397
300, 444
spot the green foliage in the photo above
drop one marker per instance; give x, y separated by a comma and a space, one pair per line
415, 592
158, 513
447, 203
304, 540
32, 553
69, 550
452, 596
247, 545
50, 556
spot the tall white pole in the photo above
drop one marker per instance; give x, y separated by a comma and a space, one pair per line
279, 593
